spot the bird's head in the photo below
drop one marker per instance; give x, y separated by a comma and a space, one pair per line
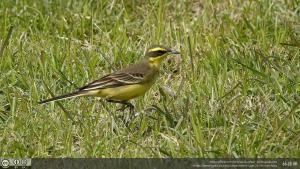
157, 53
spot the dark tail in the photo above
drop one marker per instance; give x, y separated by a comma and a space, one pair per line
65, 96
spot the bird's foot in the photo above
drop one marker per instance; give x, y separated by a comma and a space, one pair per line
125, 105
127, 118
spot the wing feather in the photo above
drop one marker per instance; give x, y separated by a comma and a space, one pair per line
114, 80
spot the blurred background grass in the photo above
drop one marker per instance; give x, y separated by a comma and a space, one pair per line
233, 92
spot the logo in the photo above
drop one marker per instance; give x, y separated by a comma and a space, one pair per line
16, 162
5, 163
24, 162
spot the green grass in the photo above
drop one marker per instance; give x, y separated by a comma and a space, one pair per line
233, 92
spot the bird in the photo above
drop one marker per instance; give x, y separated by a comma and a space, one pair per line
123, 85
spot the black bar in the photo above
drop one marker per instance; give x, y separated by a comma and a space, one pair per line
163, 163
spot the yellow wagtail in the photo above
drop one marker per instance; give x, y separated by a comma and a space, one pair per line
125, 84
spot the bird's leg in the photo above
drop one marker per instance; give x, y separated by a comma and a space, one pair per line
125, 105
129, 119
131, 112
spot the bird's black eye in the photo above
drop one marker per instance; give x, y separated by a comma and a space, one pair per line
156, 52
161, 52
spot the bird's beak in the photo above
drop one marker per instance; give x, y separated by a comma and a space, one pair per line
174, 52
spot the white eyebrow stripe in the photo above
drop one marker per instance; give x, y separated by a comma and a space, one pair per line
157, 49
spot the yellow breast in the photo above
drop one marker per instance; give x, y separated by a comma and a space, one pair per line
124, 93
